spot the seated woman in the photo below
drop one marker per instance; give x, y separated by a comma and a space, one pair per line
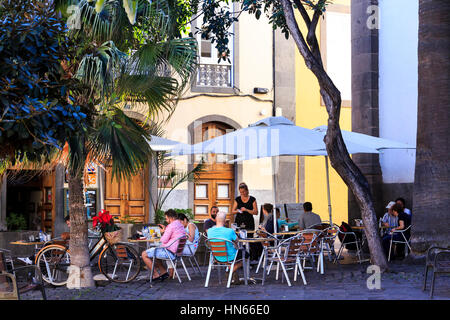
192, 234
267, 223
171, 232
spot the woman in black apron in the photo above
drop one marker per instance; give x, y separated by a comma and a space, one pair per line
245, 208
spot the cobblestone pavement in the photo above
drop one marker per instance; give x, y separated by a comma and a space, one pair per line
340, 282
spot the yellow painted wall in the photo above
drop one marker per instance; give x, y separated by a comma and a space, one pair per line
310, 114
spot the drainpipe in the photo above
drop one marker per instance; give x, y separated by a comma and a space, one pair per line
273, 74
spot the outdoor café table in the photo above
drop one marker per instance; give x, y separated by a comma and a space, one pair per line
286, 233
246, 242
153, 242
363, 235
37, 244
361, 229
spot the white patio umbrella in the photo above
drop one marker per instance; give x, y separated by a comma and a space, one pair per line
355, 143
273, 136
162, 144
270, 137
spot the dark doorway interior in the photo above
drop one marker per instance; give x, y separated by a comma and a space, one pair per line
23, 201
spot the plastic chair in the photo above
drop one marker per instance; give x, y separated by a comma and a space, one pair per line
438, 259
174, 261
218, 248
406, 241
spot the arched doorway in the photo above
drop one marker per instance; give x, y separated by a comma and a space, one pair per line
215, 186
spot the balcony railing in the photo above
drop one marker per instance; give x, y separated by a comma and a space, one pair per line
214, 75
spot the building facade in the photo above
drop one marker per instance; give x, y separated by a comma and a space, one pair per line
334, 36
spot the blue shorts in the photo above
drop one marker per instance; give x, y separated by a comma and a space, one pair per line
160, 253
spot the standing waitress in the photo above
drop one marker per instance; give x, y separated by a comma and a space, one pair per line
245, 208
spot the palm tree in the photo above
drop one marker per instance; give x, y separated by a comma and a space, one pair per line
124, 56
431, 192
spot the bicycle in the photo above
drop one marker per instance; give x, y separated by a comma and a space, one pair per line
118, 262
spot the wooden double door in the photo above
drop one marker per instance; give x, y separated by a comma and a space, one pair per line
215, 186
128, 197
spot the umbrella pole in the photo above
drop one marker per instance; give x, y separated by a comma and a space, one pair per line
328, 188
274, 214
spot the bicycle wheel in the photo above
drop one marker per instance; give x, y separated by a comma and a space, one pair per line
53, 262
119, 263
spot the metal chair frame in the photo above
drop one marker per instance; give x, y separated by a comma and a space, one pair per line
217, 245
173, 262
269, 246
343, 243
192, 256
439, 266
8, 257
314, 248
329, 238
290, 256
402, 232
15, 294
204, 236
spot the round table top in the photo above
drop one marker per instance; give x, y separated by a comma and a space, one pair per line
363, 227
26, 243
286, 233
256, 239
145, 240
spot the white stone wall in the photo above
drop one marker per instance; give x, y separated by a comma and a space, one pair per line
398, 67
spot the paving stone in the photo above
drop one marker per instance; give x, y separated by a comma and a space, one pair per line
338, 283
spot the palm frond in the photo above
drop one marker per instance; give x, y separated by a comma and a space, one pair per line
120, 141
174, 178
97, 70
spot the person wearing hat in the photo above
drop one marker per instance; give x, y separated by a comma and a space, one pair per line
389, 220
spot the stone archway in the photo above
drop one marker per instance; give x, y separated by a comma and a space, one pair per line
195, 130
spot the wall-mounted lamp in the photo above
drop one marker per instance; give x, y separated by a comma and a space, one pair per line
260, 90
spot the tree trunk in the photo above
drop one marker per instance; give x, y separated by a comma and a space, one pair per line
431, 216
337, 151
80, 275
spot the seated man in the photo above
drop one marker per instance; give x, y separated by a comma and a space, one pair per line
172, 231
389, 220
222, 232
402, 202
211, 222
308, 218
281, 222
66, 235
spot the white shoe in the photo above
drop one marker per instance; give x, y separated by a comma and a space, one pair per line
26, 260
